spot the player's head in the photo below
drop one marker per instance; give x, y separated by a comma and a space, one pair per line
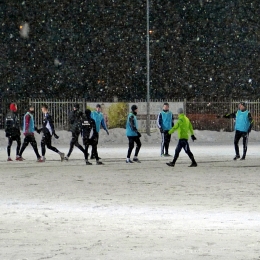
180, 110
13, 107
166, 106
44, 108
31, 108
134, 109
88, 113
76, 106
242, 106
98, 107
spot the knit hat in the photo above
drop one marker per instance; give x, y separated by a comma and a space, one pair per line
134, 107
13, 107
180, 110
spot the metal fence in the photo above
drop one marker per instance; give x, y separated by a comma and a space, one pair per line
209, 115
203, 115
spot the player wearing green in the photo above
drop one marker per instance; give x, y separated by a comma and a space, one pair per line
184, 127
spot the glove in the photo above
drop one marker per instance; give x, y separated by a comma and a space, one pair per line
37, 130
138, 134
107, 132
193, 138
161, 130
56, 136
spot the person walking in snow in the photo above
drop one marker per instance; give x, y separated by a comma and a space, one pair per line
28, 131
75, 128
184, 128
12, 130
133, 135
98, 117
165, 121
243, 126
89, 136
48, 131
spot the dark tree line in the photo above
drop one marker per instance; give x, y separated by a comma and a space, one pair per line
97, 49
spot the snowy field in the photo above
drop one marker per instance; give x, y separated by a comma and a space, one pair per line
68, 210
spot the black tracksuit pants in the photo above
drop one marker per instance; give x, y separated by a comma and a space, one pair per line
16, 138
183, 143
75, 141
166, 139
238, 135
30, 139
46, 141
132, 141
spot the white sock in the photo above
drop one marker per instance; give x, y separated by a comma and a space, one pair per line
127, 159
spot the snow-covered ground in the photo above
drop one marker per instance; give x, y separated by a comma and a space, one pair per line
68, 210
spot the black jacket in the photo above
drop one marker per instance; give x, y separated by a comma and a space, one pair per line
75, 121
12, 124
47, 118
88, 128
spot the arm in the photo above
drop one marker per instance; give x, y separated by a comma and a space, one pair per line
103, 124
232, 115
159, 121
172, 120
27, 123
49, 119
251, 122
132, 123
174, 128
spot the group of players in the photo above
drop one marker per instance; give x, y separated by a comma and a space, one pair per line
85, 124
88, 125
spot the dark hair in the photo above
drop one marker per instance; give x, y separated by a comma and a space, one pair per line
166, 104
45, 106
76, 106
98, 105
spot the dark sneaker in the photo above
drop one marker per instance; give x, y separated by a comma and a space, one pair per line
194, 164
66, 158
166, 155
242, 158
136, 160
9, 159
99, 163
62, 156
128, 161
236, 157
88, 163
19, 159
171, 164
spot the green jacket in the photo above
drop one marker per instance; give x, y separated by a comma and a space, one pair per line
184, 127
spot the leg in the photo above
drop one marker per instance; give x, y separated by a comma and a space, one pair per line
43, 143
177, 151
236, 140
167, 139
92, 152
72, 143
190, 154
138, 145
162, 144
10, 142
18, 140
34, 146
78, 145
130, 146
245, 142
49, 145
25, 144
